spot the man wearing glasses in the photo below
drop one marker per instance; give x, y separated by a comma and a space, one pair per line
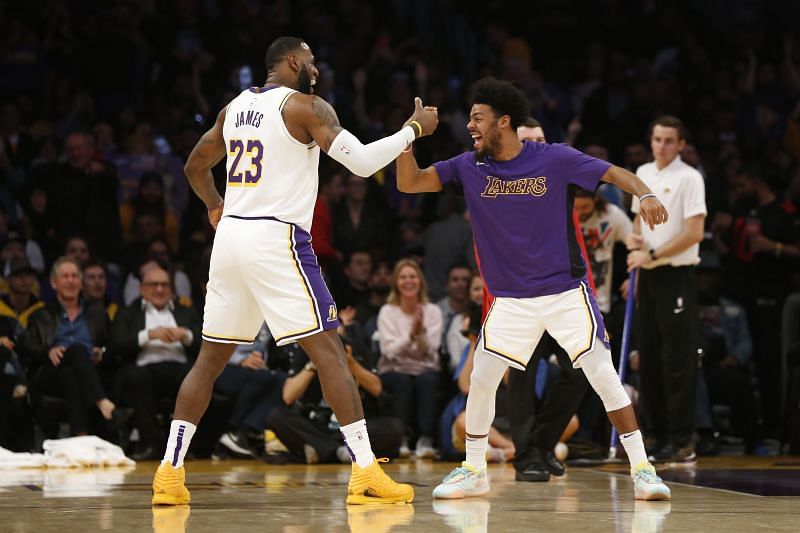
156, 338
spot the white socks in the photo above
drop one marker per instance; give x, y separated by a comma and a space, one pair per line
634, 447
180, 435
357, 440
476, 451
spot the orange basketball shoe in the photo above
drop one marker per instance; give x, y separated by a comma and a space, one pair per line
169, 486
372, 485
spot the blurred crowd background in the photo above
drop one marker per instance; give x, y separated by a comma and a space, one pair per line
101, 103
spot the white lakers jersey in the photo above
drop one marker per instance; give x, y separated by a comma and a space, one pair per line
270, 173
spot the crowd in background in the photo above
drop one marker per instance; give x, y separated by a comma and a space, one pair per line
101, 103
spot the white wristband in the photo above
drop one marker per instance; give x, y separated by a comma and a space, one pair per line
648, 195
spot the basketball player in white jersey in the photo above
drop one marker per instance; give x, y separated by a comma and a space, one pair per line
262, 263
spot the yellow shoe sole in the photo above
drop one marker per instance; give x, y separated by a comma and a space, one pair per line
167, 499
360, 499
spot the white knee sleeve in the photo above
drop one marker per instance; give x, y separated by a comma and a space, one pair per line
603, 378
487, 372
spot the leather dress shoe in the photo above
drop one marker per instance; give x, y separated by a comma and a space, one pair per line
555, 466
119, 417
533, 473
149, 453
532, 467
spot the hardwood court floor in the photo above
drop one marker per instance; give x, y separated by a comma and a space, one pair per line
250, 496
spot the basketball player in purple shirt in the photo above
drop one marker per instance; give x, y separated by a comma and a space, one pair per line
520, 197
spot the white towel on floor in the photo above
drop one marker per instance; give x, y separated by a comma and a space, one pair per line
67, 453
10, 460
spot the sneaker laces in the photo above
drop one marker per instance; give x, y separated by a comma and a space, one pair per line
169, 476
648, 473
383, 477
460, 472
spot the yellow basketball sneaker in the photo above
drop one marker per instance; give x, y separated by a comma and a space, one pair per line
372, 485
169, 486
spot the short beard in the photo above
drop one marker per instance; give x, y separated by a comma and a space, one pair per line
304, 81
491, 144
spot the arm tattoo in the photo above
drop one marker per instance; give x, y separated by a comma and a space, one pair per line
327, 117
206, 147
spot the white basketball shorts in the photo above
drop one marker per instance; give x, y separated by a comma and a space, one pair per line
264, 269
513, 327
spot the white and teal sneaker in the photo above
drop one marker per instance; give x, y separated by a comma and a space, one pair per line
647, 485
466, 481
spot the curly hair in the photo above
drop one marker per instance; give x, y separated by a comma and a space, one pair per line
504, 98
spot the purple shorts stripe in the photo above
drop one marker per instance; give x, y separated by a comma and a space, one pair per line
598, 326
325, 307
178, 446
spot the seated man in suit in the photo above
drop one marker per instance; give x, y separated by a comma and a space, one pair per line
156, 338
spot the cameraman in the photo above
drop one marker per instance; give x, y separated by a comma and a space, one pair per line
305, 424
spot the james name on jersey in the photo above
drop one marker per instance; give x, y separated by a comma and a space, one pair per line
250, 118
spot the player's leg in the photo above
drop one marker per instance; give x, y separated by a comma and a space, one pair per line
576, 324
231, 316
603, 378
470, 479
299, 308
195, 393
508, 337
326, 351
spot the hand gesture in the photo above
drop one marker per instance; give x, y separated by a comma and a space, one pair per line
625, 289
20, 391
7, 342
634, 241
215, 214
160, 334
177, 334
56, 354
347, 315
652, 211
426, 117
254, 361
637, 258
417, 328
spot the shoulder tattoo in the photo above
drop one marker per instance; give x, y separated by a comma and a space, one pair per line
327, 117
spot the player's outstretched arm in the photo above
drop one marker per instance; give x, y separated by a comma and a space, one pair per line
412, 179
208, 151
319, 119
651, 210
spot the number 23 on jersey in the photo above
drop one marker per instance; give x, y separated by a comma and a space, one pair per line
245, 170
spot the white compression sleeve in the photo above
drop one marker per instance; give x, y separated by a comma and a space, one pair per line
366, 160
603, 378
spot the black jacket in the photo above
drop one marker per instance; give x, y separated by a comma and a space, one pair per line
130, 320
37, 339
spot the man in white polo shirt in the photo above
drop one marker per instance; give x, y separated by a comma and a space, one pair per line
667, 313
